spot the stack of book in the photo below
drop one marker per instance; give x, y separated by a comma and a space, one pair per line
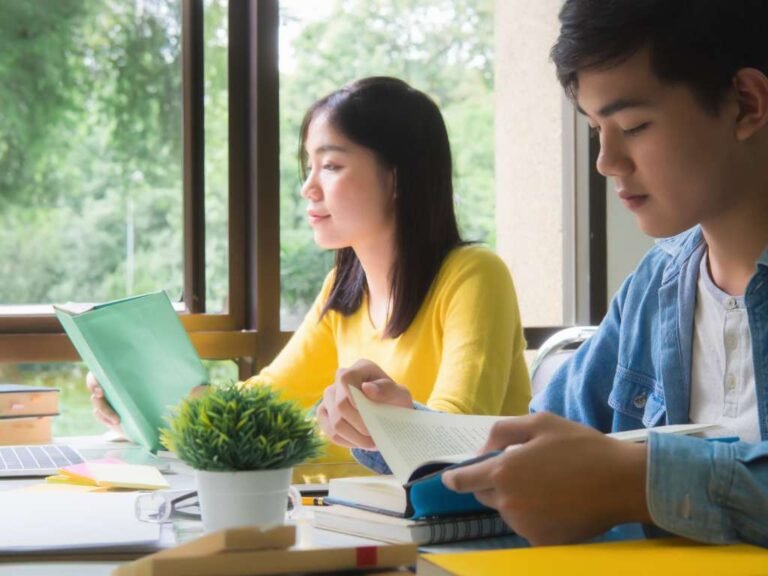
26, 413
412, 505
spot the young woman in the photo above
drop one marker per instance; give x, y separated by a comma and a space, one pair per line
439, 316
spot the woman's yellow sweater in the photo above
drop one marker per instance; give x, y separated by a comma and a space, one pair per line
463, 352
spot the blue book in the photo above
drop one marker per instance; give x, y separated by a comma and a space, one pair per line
423, 496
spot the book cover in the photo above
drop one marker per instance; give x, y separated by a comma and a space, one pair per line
420, 497
387, 528
26, 400
633, 558
141, 355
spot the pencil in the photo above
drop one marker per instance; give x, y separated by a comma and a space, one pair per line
313, 501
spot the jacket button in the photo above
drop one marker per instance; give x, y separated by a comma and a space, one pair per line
639, 401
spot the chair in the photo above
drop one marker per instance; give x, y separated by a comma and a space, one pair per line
553, 352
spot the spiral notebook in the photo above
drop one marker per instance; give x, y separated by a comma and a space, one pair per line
386, 528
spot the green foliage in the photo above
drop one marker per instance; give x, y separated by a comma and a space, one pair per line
236, 428
91, 148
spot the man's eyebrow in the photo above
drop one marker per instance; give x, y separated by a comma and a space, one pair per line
617, 106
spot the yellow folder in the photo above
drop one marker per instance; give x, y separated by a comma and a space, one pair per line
673, 557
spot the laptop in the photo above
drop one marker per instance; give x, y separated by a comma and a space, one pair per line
36, 460
47, 459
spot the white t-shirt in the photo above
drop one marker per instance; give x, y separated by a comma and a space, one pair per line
722, 375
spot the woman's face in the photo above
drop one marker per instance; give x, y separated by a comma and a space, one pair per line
350, 194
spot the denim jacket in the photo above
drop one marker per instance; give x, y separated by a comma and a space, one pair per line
636, 372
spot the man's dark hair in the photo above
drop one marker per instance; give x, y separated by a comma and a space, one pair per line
699, 43
405, 130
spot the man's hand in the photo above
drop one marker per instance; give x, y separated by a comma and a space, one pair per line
337, 414
561, 483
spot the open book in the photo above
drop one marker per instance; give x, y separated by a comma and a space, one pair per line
417, 445
139, 351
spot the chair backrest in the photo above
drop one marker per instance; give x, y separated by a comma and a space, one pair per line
553, 352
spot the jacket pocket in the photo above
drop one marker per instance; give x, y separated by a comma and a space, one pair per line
637, 396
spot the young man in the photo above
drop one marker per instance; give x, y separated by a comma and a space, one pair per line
678, 95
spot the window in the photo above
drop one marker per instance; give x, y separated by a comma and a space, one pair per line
110, 110
151, 145
90, 151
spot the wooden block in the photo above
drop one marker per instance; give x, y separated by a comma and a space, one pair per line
231, 540
254, 563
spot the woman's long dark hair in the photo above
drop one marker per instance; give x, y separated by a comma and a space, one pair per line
405, 129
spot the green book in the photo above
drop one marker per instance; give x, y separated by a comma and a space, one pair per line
139, 351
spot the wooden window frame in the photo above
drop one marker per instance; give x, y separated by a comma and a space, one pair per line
249, 330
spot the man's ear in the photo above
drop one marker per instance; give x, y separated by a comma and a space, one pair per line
751, 87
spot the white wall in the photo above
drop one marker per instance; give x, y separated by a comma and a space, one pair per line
529, 156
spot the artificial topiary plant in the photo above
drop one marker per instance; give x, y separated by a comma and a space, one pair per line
233, 428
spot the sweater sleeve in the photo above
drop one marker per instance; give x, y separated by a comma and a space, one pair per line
482, 369
308, 362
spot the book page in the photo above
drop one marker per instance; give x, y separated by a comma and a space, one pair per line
74, 307
407, 438
641, 435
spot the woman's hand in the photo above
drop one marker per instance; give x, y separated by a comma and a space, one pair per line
337, 414
101, 408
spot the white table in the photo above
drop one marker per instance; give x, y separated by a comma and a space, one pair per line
180, 476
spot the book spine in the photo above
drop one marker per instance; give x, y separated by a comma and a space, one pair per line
468, 528
29, 403
25, 431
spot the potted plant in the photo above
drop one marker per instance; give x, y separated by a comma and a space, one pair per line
242, 443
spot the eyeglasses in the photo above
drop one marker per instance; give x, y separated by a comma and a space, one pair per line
165, 505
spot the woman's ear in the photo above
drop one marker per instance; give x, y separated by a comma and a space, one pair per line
751, 87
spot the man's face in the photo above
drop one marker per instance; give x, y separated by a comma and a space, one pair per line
672, 161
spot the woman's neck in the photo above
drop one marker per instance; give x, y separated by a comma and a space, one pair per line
377, 264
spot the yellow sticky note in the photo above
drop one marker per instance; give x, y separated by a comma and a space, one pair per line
60, 487
135, 476
72, 480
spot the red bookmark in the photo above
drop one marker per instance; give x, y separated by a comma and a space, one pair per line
366, 556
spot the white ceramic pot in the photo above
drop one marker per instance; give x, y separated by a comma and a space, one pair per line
246, 498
